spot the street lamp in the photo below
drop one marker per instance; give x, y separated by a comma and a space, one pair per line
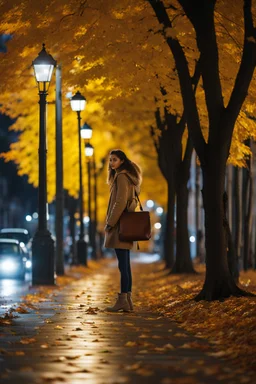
86, 132
43, 244
78, 103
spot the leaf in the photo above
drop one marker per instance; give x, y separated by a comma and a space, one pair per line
168, 346
144, 336
73, 357
59, 359
178, 334
28, 340
133, 367
21, 310
103, 361
217, 354
144, 372
59, 327
130, 344
5, 322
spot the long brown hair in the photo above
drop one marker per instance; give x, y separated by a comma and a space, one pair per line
128, 165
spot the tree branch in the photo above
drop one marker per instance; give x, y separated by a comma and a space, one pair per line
156, 144
244, 75
188, 95
201, 15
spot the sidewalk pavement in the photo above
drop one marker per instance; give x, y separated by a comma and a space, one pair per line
68, 338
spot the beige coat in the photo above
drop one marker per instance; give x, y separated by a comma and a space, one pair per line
122, 195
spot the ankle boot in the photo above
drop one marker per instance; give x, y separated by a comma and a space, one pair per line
121, 303
129, 299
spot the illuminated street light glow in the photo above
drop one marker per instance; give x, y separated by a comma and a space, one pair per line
150, 203
78, 102
159, 211
86, 132
35, 215
43, 66
157, 225
28, 218
88, 150
192, 239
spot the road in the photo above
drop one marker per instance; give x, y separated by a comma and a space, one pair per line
11, 291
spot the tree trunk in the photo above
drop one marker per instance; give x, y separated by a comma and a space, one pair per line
183, 262
231, 253
169, 227
237, 222
72, 205
229, 170
199, 229
219, 283
247, 214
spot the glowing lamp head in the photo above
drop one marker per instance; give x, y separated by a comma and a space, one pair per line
43, 66
86, 132
78, 102
88, 150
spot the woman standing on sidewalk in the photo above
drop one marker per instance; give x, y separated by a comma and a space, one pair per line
124, 177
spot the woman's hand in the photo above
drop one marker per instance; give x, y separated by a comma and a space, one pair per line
107, 228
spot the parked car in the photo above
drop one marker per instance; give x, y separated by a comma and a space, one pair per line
22, 235
13, 259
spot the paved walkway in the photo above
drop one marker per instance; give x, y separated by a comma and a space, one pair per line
70, 339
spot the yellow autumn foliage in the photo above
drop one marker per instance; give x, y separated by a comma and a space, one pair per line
114, 53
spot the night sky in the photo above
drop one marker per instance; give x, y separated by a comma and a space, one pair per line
17, 185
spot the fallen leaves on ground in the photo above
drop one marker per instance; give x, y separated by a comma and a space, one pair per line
229, 326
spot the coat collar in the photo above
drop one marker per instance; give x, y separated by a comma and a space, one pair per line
117, 173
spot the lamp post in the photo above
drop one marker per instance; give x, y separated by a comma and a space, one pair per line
43, 245
89, 150
78, 104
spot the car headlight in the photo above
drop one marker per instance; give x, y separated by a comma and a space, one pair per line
9, 266
28, 264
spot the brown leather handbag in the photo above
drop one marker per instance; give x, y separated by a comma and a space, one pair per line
135, 226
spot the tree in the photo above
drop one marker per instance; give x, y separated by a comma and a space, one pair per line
174, 163
213, 154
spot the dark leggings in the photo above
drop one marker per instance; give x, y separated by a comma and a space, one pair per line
123, 256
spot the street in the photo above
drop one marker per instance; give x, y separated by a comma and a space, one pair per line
65, 335
11, 292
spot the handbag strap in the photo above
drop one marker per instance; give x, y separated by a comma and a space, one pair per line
136, 194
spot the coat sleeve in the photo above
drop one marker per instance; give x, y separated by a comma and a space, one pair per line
121, 200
